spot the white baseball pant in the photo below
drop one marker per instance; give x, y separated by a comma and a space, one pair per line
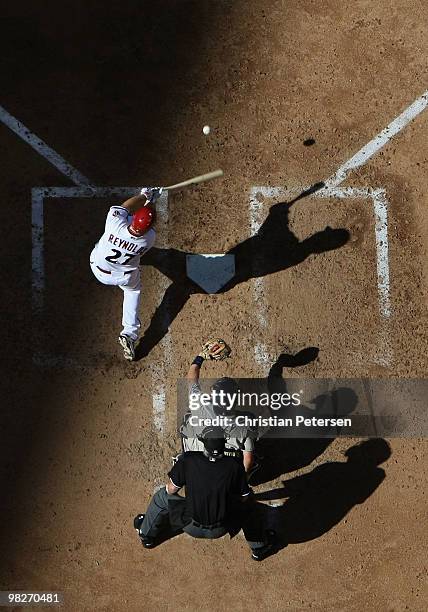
131, 287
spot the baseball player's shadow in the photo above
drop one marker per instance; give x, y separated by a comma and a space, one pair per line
319, 500
272, 249
280, 455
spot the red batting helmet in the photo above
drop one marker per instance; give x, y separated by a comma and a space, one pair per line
142, 220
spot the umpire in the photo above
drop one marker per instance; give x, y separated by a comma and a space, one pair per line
218, 500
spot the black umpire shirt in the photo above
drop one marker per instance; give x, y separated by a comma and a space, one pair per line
213, 488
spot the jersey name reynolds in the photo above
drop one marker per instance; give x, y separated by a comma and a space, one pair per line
124, 244
118, 250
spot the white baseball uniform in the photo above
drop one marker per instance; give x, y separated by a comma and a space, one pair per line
115, 260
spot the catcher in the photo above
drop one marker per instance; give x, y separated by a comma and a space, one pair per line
239, 440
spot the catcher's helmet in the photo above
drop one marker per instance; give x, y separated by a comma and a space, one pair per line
142, 220
227, 386
214, 442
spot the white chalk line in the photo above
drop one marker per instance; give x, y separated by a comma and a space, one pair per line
371, 148
159, 405
380, 204
38, 194
380, 207
159, 369
37, 249
84, 189
359, 159
261, 354
256, 219
380, 210
42, 148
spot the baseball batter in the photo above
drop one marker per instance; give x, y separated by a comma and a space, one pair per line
115, 259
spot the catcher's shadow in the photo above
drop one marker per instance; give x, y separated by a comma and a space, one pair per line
272, 249
280, 455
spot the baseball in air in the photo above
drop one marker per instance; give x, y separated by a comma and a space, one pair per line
206, 130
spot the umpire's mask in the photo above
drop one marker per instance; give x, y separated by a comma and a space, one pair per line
214, 442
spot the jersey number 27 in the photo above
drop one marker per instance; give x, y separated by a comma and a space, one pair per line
115, 256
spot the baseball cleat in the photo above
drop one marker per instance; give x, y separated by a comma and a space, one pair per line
258, 554
138, 520
261, 553
145, 541
128, 346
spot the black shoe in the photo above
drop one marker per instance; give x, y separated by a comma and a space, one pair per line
258, 554
145, 541
138, 521
261, 553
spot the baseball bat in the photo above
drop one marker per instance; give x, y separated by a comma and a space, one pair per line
195, 180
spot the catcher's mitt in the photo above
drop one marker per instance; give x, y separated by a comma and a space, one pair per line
215, 349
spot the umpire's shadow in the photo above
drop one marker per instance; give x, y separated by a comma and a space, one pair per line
319, 500
272, 249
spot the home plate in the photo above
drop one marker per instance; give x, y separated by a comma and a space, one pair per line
210, 272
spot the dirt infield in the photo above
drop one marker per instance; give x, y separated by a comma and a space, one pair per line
291, 90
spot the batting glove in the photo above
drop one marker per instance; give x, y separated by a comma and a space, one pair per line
151, 193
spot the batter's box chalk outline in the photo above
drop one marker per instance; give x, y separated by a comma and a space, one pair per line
38, 196
380, 210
